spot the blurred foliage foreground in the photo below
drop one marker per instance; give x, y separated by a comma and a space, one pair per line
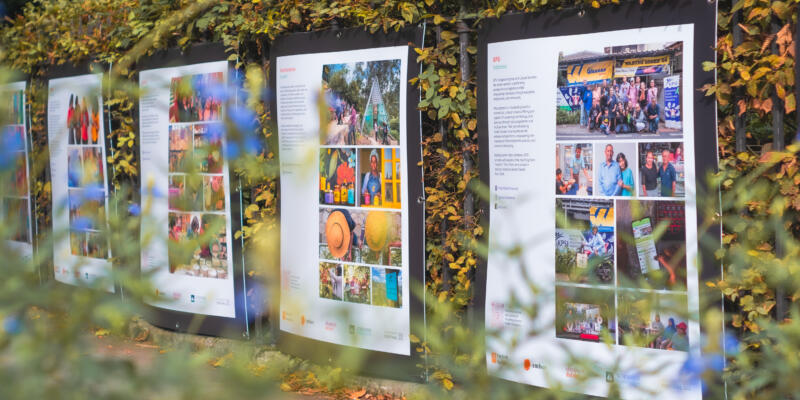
49, 333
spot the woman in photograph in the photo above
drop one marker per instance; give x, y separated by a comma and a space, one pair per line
652, 92
649, 176
372, 180
84, 121
70, 119
95, 116
679, 153
627, 175
642, 95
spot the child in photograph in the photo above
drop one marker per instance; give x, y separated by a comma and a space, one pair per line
626, 174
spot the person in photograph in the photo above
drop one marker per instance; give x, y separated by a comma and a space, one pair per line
335, 276
652, 112
561, 186
649, 176
604, 122
613, 109
667, 175
586, 104
626, 174
639, 119
679, 340
623, 118
609, 176
624, 89
604, 96
351, 129
594, 115
642, 95
95, 120
652, 92
597, 242
70, 118
577, 166
679, 154
372, 179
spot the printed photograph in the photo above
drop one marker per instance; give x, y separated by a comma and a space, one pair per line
198, 245
19, 175
331, 279
379, 177
357, 284
16, 213
180, 146
387, 287
363, 101
15, 137
615, 166
92, 167
78, 245
207, 150
653, 320
360, 236
337, 176
177, 192
214, 193
15, 106
191, 98
585, 241
74, 167
574, 169
651, 244
83, 120
96, 245
85, 213
620, 92
585, 314
661, 167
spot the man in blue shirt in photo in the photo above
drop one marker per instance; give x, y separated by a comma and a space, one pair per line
667, 175
609, 175
586, 98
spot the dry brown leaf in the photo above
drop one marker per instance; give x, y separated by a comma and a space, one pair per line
356, 394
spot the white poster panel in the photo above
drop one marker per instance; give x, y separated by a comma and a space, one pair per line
79, 179
15, 202
186, 189
612, 291
344, 198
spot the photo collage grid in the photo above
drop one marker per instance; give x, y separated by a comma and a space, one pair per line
620, 258
198, 244
86, 175
360, 224
15, 203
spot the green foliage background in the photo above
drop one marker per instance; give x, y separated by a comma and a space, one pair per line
761, 198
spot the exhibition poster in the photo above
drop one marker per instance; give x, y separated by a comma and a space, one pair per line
79, 180
15, 201
612, 250
344, 197
186, 215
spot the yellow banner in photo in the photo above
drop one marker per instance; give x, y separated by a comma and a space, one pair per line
645, 61
601, 216
590, 72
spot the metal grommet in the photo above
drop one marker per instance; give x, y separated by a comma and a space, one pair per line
581, 12
339, 35
420, 200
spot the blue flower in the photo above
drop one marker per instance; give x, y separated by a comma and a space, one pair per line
730, 344
12, 325
232, 150
251, 144
94, 192
134, 210
214, 90
81, 224
156, 192
215, 133
243, 118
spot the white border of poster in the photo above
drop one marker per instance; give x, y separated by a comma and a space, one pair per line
346, 318
522, 186
79, 176
189, 287
24, 248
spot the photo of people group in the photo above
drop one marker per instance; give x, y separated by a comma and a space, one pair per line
615, 176
198, 245
620, 92
88, 244
360, 284
661, 165
360, 236
191, 98
363, 101
653, 320
83, 120
198, 225
585, 241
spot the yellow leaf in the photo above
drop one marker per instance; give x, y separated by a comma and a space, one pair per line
453, 91
448, 384
595, 4
442, 297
